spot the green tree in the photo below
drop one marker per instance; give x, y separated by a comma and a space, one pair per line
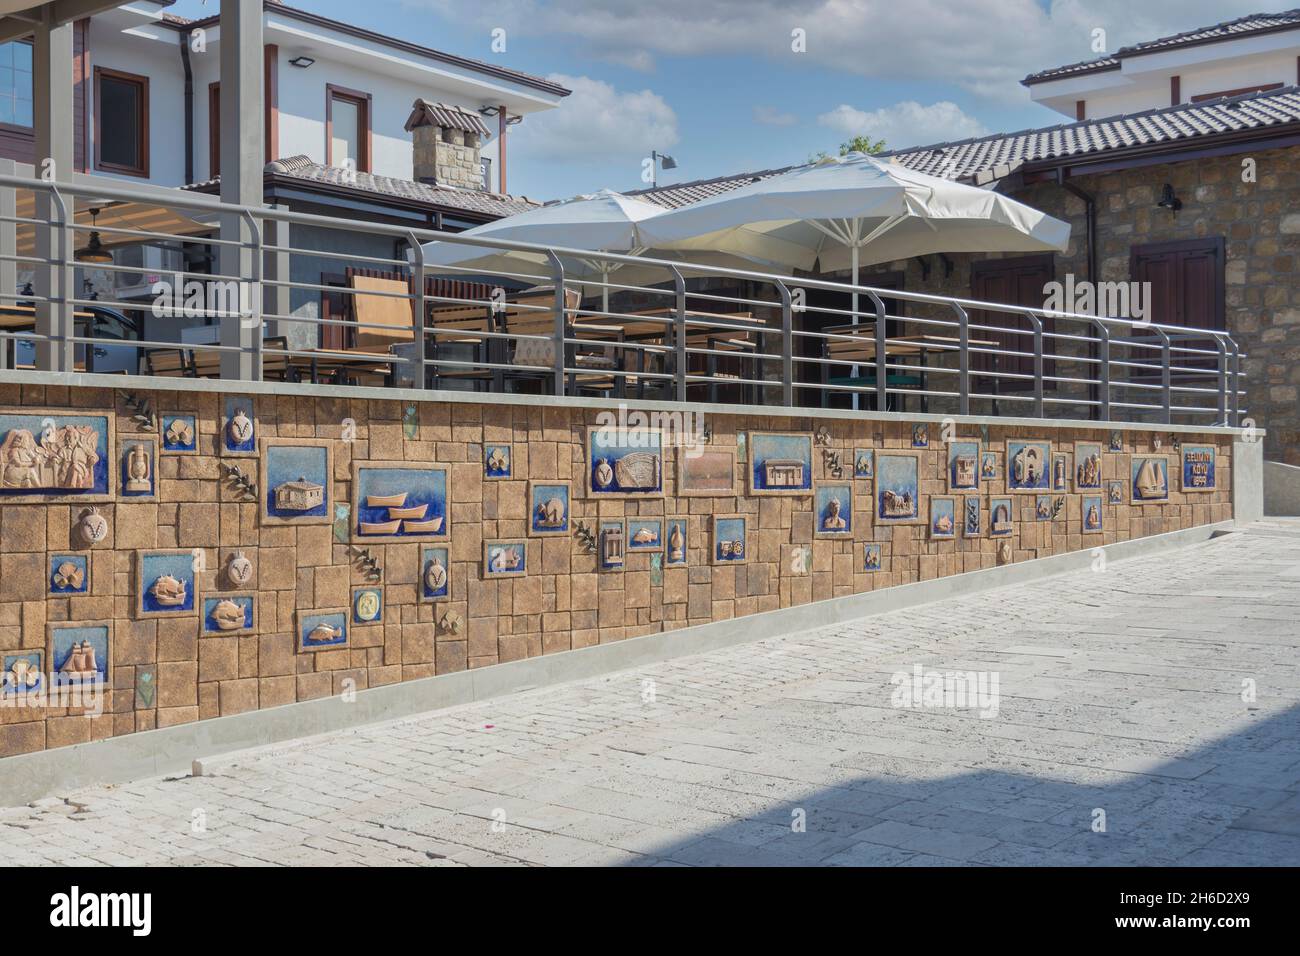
858, 144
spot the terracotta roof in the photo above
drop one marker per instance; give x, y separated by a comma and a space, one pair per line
302, 168
992, 157
424, 113
1254, 23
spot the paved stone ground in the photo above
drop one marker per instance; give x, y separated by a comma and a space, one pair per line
1119, 691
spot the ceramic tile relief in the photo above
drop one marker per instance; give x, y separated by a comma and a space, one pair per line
241, 552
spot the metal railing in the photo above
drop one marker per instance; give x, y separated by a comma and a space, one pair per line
569, 321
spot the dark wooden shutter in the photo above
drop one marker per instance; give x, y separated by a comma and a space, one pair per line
1017, 281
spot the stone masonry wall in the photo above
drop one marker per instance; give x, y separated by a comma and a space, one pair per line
1260, 223
166, 672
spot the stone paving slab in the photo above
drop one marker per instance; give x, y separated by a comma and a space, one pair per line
1120, 693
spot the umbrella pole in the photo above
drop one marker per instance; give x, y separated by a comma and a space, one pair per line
854, 254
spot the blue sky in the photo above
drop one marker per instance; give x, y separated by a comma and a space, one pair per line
718, 84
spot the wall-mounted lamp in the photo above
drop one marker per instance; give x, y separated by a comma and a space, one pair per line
302, 62
658, 159
1168, 200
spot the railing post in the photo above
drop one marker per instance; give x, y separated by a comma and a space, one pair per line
679, 335
53, 286
1103, 357
787, 346
561, 330
1235, 422
963, 360
275, 298
1223, 378
882, 360
255, 320
1166, 379
1037, 323
417, 310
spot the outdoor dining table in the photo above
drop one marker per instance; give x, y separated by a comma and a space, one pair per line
716, 332
17, 317
860, 349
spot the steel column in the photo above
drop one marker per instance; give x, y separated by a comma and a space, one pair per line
417, 309
679, 335
52, 129
787, 346
561, 330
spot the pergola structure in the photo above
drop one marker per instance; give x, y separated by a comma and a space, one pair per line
50, 25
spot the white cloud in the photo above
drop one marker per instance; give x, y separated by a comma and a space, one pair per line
599, 124
771, 116
982, 46
905, 124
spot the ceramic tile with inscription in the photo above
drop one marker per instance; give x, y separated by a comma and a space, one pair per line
729, 539
1198, 467
963, 465
943, 516
51, 456
297, 475
548, 508
505, 559
69, 573
780, 463
228, 612
833, 510
625, 463
898, 488
1028, 465
180, 434
323, 630
1091, 511
165, 583
435, 574
400, 501
22, 672
1149, 479
80, 654
1087, 466
645, 534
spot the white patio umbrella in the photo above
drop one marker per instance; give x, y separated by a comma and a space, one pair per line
605, 221
853, 211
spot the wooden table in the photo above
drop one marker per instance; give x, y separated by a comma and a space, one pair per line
861, 350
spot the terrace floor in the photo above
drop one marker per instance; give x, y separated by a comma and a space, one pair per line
1121, 690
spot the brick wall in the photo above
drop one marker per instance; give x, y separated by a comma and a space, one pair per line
165, 673
1260, 223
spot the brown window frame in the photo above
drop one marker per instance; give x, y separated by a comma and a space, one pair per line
363, 102
142, 140
214, 129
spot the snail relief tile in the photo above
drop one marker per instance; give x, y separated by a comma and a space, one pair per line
548, 508
505, 559
367, 606
51, 456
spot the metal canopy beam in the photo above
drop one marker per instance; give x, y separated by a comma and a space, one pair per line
242, 158
22, 22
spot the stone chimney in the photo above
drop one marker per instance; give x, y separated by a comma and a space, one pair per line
446, 142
